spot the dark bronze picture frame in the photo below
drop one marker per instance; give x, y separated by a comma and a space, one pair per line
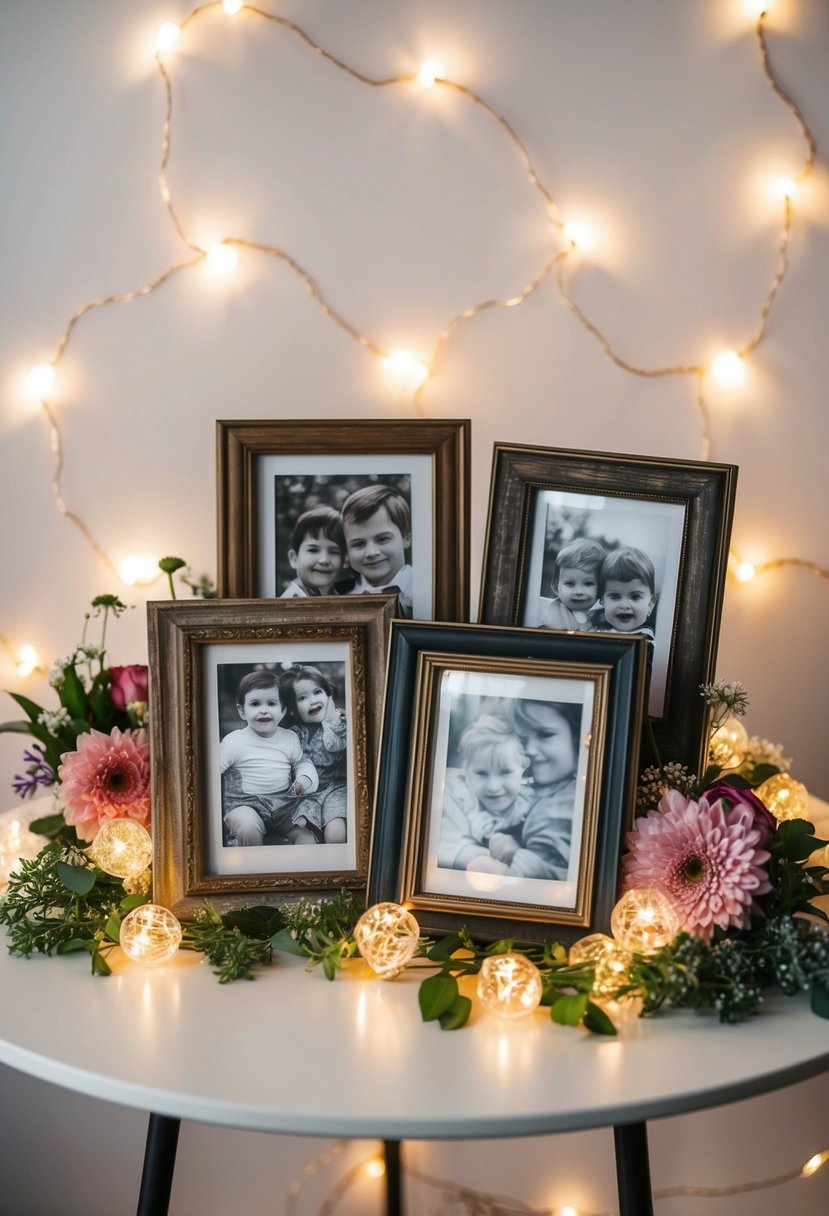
401, 854
180, 635
705, 492
240, 446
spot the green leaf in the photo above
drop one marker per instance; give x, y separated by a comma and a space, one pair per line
457, 1014
112, 928
49, 825
596, 1019
73, 945
735, 780
763, 772
99, 964
30, 708
77, 879
569, 1010
820, 994
795, 839
72, 693
260, 922
132, 901
443, 950
287, 944
436, 995
16, 728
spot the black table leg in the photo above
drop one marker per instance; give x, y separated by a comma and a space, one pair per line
394, 1190
159, 1163
633, 1173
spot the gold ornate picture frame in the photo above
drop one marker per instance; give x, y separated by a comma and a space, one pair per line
250, 808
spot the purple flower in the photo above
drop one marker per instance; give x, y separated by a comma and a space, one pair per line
37, 773
764, 821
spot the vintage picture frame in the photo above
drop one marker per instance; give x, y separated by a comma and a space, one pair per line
507, 778
260, 801
655, 531
411, 475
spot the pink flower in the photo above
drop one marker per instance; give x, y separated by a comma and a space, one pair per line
708, 858
108, 777
128, 684
764, 821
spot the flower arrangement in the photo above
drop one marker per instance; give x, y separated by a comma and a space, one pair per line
722, 868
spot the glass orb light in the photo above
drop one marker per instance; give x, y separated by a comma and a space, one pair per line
644, 919
609, 958
150, 935
784, 797
728, 744
387, 936
509, 985
122, 847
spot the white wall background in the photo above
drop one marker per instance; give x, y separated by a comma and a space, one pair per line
651, 120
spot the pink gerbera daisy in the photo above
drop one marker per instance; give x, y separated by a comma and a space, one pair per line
108, 777
707, 858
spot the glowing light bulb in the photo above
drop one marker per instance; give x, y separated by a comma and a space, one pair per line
756, 8
729, 368
150, 935
430, 71
746, 572
28, 660
231, 7
728, 743
814, 1163
387, 936
783, 187
784, 797
403, 363
138, 568
167, 36
40, 381
580, 235
509, 985
376, 1168
222, 258
644, 920
609, 958
122, 847
568, 1211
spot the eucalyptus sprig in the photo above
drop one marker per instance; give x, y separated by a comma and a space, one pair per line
321, 932
236, 942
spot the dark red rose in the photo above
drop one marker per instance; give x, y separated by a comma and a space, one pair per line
128, 684
764, 821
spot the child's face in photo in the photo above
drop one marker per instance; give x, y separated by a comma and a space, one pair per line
317, 562
549, 746
577, 589
494, 776
627, 603
376, 547
263, 711
311, 701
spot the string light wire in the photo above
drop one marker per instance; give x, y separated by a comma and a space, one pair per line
555, 266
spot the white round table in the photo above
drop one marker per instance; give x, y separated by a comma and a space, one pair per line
293, 1053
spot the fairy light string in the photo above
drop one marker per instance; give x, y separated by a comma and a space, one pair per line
555, 268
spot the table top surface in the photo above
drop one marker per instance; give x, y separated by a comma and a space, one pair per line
292, 1052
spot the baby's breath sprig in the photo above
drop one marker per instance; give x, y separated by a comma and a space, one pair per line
656, 781
725, 697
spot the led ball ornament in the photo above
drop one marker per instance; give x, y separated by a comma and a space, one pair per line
387, 936
150, 935
728, 744
784, 797
610, 960
122, 847
509, 985
643, 920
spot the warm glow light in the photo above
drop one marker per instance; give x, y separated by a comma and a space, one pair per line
728, 743
387, 936
609, 959
403, 363
579, 234
167, 36
729, 368
150, 935
814, 1163
756, 8
746, 572
430, 71
138, 568
122, 847
231, 6
28, 660
783, 187
222, 258
509, 985
644, 920
40, 381
376, 1168
784, 797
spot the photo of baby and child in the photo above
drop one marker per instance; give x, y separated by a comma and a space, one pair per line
508, 788
281, 766
607, 565
362, 525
